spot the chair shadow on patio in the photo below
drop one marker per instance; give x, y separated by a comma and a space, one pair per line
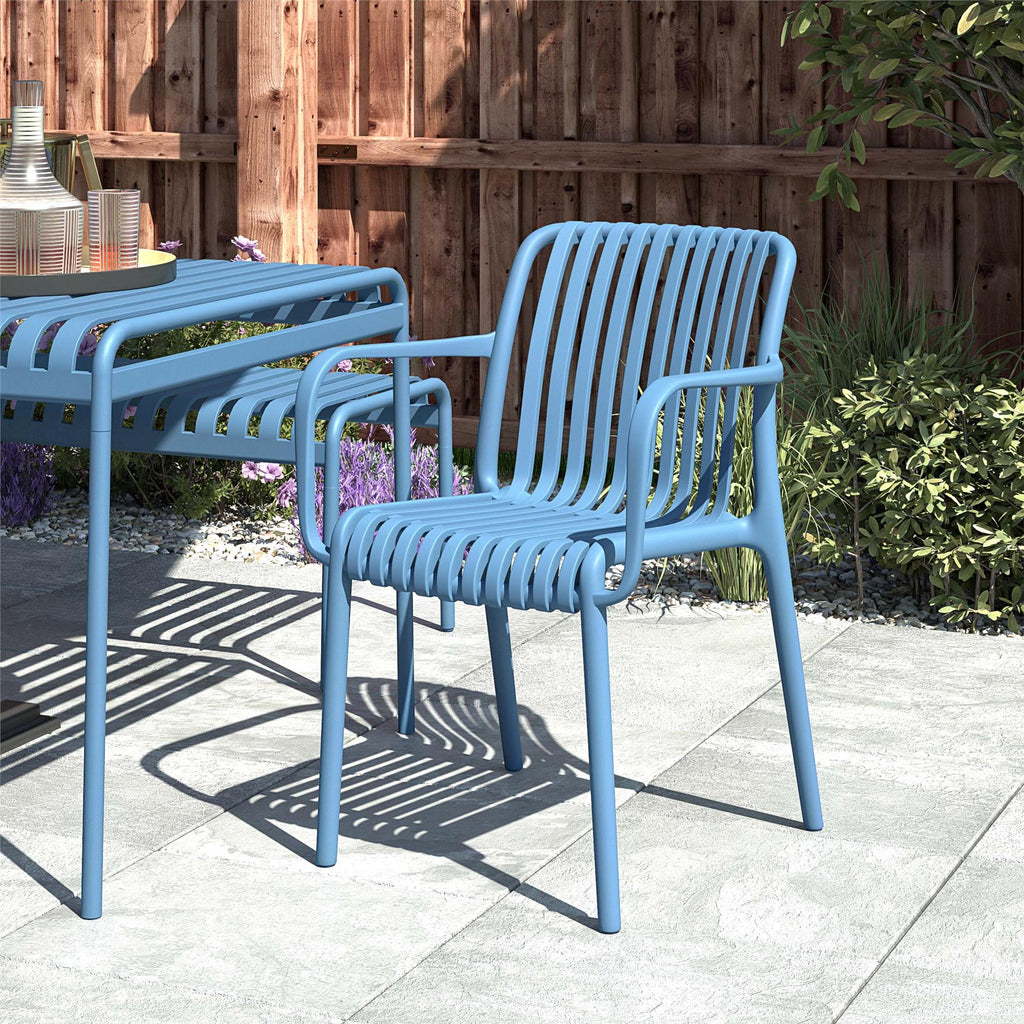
439, 792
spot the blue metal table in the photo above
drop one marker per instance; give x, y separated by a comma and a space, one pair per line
203, 402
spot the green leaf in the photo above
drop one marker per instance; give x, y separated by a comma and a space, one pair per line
859, 150
884, 113
817, 138
883, 68
968, 18
905, 117
1002, 165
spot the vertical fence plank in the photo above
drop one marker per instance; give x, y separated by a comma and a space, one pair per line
667, 46
556, 101
785, 202
499, 189
384, 191
37, 53
337, 55
730, 109
277, 126
440, 238
83, 84
608, 101
181, 70
989, 261
220, 114
130, 87
7, 57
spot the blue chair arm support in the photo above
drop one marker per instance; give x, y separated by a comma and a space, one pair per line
308, 407
470, 346
643, 429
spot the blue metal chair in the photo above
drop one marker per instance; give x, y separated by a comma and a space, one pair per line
640, 331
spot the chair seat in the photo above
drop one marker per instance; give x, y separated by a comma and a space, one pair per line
480, 548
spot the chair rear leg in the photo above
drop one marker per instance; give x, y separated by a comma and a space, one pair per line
406, 663
332, 730
787, 646
445, 486
602, 767
504, 687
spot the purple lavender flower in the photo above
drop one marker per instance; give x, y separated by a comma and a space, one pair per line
7, 335
345, 366
46, 340
170, 246
367, 476
89, 343
250, 470
26, 482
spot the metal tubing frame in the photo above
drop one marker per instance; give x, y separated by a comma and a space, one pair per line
109, 384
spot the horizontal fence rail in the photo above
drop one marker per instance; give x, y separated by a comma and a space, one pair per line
432, 136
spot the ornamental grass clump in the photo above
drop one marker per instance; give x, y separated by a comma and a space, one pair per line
932, 464
26, 482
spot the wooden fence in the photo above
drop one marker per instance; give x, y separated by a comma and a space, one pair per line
431, 136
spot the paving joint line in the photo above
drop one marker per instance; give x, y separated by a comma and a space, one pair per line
929, 901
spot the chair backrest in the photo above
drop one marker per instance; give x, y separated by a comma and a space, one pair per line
616, 307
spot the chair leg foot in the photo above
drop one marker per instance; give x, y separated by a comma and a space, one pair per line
406, 668
787, 646
332, 731
504, 687
602, 767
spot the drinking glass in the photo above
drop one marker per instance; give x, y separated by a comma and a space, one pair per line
113, 228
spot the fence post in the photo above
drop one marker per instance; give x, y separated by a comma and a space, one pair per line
277, 122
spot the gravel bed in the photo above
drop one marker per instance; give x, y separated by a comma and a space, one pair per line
821, 591
133, 527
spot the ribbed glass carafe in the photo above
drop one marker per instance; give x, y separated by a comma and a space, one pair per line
41, 222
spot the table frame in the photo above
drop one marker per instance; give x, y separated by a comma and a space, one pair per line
312, 292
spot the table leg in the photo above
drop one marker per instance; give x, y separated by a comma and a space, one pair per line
404, 599
96, 672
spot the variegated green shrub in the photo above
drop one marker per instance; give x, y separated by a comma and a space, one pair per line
932, 465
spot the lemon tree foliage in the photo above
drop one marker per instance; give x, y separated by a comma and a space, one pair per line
957, 68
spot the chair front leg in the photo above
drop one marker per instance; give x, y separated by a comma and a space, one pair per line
332, 731
602, 767
775, 557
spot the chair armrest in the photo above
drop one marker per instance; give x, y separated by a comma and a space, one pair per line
473, 345
643, 429
308, 406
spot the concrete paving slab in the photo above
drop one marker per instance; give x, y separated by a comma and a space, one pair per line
232, 929
942, 696
40, 870
520, 964
687, 670
731, 913
36, 992
910, 995
1005, 839
32, 569
906, 801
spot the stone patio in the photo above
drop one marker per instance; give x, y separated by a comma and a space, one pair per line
465, 894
